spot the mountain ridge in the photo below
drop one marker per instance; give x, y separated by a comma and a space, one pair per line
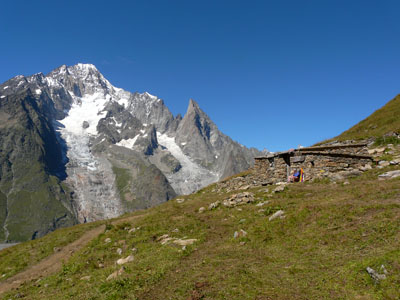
109, 140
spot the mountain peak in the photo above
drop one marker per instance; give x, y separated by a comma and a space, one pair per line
193, 103
193, 107
83, 66
81, 69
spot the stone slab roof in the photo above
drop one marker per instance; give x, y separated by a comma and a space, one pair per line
319, 150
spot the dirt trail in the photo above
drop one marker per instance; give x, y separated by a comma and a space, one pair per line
53, 263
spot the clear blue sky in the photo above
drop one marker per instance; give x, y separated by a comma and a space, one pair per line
271, 74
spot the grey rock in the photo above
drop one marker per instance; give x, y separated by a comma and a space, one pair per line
384, 163
116, 274
389, 175
214, 205
279, 188
239, 234
239, 199
125, 260
278, 214
85, 124
375, 275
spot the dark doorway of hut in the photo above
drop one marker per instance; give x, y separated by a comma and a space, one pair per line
286, 158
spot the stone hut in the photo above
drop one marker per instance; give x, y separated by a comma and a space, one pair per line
333, 161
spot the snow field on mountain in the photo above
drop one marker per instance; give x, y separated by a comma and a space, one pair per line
90, 109
128, 143
191, 176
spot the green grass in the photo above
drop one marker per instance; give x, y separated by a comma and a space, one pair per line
122, 179
383, 140
382, 121
320, 250
21, 256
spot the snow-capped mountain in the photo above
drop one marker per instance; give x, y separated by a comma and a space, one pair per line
121, 151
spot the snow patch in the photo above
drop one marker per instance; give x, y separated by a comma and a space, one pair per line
128, 143
52, 82
2, 97
6, 87
38, 91
90, 109
117, 124
151, 96
124, 102
191, 176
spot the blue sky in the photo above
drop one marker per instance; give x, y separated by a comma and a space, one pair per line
271, 74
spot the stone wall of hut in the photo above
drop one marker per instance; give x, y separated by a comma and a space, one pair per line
315, 165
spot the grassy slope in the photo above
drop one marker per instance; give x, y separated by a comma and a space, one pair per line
24, 255
331, 234
382, 121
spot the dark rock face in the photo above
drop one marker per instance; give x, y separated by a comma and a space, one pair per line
31, 165
79, 149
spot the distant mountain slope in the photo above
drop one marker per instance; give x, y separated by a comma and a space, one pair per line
381, 122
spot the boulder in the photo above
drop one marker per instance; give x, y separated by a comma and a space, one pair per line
380, 150
375, 275
85, 124
164, 239
239, 234
214, 205
86, 278
389, 175
366, 167
384, 163
125, 260
115, 274
182, 242
279, 214
239, 199
279, 188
